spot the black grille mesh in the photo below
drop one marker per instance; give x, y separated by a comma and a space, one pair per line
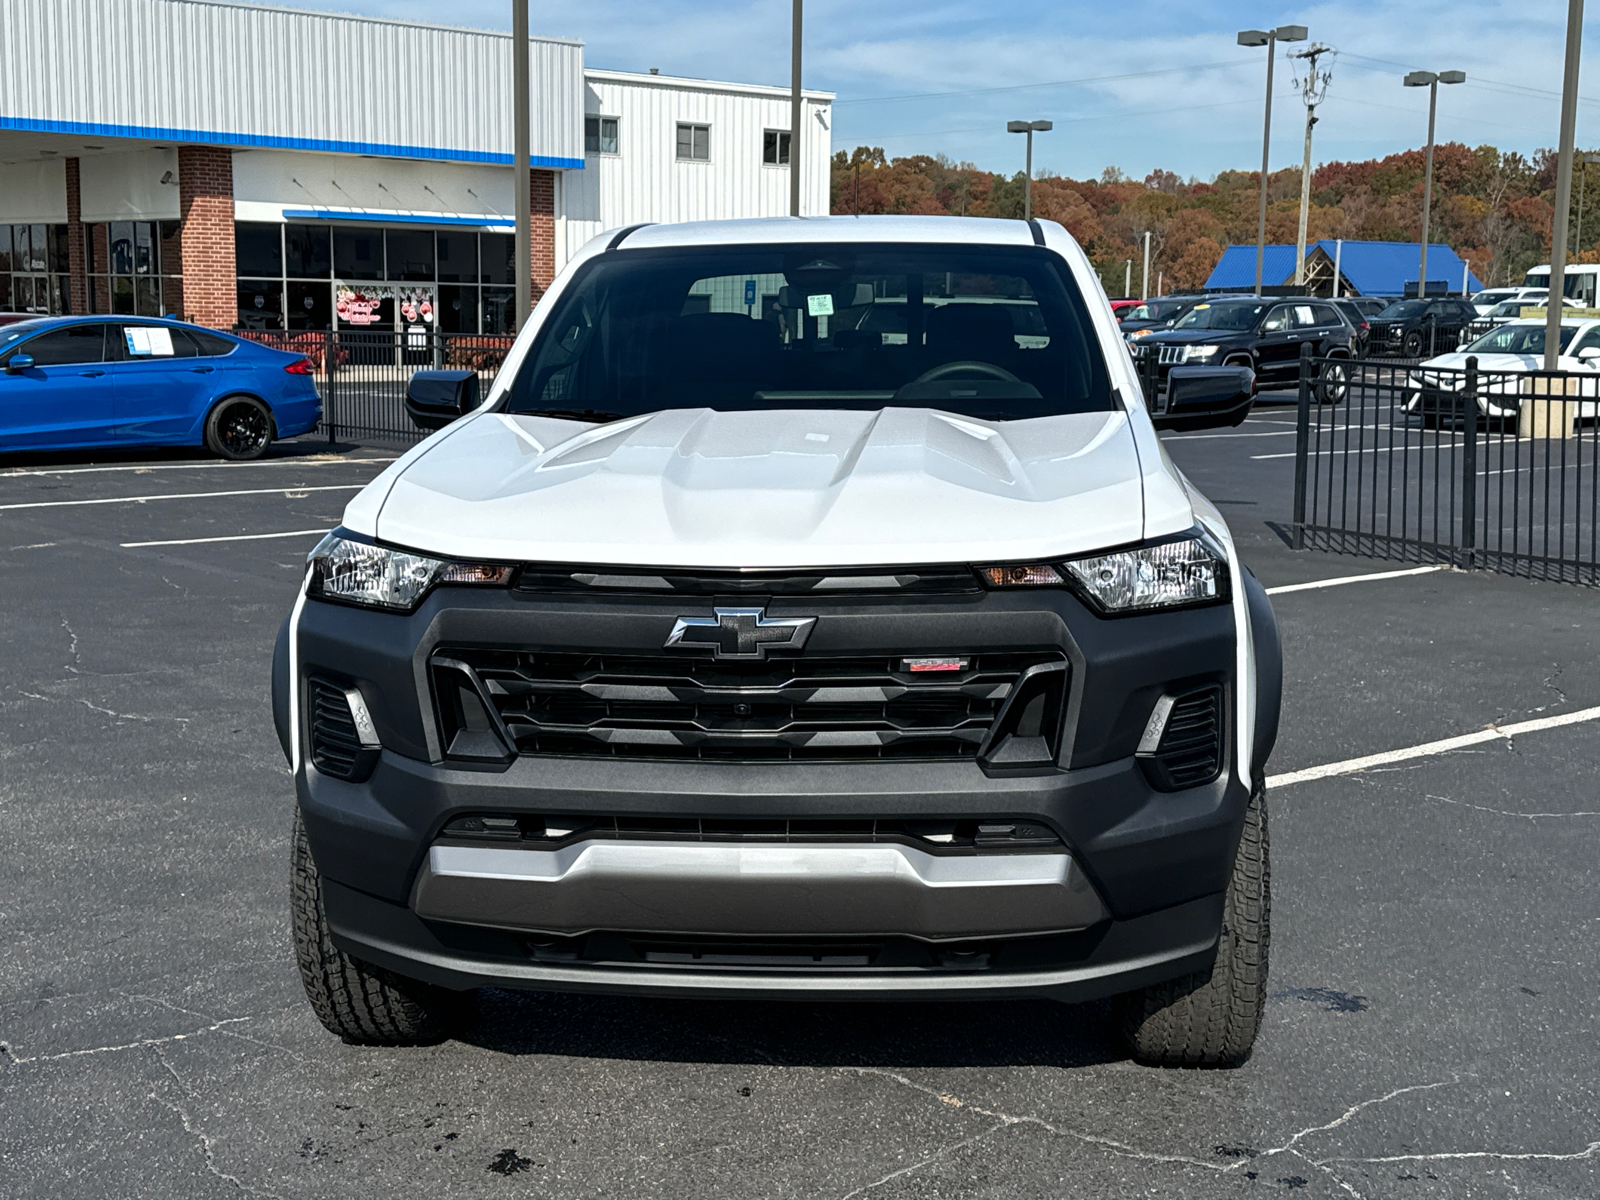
662, 706
1190, 753
335, 746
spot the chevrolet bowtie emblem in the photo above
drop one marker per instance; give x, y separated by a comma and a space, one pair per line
740, 633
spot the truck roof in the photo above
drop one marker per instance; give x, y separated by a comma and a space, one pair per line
789, 230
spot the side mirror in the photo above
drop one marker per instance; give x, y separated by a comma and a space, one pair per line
1589, 353
1206, 398
19, 362
435, 398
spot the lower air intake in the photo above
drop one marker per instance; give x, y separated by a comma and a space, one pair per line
335, 743
1190, 752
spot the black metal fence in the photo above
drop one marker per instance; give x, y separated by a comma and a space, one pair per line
362, 374
1479, 469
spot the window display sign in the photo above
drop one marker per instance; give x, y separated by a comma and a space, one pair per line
362, 304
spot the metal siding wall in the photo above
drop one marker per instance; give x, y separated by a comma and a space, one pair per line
180, 65
645, 182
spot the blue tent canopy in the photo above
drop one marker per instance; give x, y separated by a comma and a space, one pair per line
1370, 268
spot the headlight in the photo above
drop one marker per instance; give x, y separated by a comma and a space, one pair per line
1139, 333
378, 577
1192, 569
1192, 353
1177, 572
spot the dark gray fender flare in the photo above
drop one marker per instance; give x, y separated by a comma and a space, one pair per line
280, 687
1269, 673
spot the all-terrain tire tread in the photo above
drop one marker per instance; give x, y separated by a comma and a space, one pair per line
1210, 1018
360, 1003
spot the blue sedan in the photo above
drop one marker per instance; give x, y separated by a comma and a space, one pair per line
79, 382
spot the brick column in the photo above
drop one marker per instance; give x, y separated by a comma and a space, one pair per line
77, 266
205, 206
542, 230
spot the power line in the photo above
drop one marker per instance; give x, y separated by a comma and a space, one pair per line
1232, 63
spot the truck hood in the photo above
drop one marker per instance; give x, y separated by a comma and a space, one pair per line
700, 488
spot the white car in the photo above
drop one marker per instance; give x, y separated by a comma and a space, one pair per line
1485, 300
1505, 354
861, 644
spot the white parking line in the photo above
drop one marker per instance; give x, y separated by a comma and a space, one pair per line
1492, 733
1344, 579
241, 537
206, 466
332, 487
1200, 437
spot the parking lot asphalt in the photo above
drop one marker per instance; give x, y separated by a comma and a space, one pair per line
1431, 1029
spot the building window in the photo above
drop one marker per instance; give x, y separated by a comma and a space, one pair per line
694, 143
134, 268
600, 135
33, 265
775, 148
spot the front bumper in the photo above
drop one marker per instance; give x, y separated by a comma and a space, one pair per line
1132, 893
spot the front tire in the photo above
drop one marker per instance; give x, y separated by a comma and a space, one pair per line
1210, 1018
239, 428
1412, 345
364, 1005
1334, 384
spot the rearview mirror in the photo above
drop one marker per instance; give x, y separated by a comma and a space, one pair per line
1206, 398
19, 362
435, 398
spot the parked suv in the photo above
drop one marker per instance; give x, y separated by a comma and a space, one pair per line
1359, 311
1414, 328
727, 652
1256, 332
1155, 314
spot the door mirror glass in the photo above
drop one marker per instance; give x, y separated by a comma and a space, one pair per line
19, 362
1589, 353
435, 398
1206, 398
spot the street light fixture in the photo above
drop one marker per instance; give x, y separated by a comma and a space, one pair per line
1431, 81
1029, 128
1270, 39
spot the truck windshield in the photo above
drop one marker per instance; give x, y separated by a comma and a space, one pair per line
999, 333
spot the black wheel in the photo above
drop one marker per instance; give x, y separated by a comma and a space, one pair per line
1334, 383
363, 1004
1413, 344
1210, 1018
240, 427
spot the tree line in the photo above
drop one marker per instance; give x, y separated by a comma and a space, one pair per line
1493, 208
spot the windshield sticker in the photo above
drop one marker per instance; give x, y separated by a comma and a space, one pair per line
1198, 307
148, 341
820, 306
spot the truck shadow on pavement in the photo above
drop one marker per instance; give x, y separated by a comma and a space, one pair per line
996, 1033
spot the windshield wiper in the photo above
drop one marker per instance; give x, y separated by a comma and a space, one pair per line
592, 416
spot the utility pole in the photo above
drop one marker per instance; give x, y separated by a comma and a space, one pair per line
1313, 90
1127, 275
1558, 234
521, 176
1144, 287
1270, 39
794, 114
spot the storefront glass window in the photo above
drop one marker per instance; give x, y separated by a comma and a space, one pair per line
499, 255
458, 257
358, 253
411, 255
257, 248
308, 251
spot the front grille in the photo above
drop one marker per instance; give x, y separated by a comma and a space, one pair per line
335, 745
842, 583
1190, 751
1171, 355
810, 708
941, 836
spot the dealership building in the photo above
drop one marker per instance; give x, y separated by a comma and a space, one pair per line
239, 165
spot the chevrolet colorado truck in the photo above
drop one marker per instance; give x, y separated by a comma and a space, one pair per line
809, 610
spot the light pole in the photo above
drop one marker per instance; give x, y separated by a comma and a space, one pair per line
1431, 81
1313, 91
1144, 285
1127, 276
1029, 128
794, 114
522, 177
1558, 230
1588, 161
1270, 39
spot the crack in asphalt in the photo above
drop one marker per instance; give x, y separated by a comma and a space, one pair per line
207, 1142
96, 708
1506, 812
942, 1152
21, 1060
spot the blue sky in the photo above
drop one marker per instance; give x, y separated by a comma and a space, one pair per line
1136, 85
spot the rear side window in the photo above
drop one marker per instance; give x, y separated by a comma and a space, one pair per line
1000, 333
209, 345
1326, 314
66, 346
